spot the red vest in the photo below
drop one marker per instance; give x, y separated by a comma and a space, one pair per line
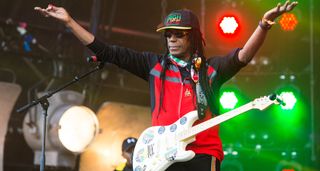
178, 100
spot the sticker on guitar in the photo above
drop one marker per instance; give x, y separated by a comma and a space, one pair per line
157, 148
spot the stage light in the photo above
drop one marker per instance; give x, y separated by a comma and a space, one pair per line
117, 122
228, 25
252, 136
290, 94
253, 62
71, 129
258, 147
234, 153
289, 154
285, 165
258, 139
265, 61
292, 77
230, 151
288, 22
290, 100
228, 100
265, 136
78, 125
292, 113
282, 77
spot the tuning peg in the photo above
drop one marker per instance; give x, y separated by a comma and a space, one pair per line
281, 101
275, 97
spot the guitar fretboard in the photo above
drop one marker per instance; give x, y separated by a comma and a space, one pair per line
214, 121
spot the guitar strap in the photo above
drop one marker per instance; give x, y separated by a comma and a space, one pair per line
194, 73
200, 96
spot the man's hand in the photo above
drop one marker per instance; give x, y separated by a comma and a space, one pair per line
55, 12
275, 12
62, 15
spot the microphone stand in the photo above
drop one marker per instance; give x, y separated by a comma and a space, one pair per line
45, 105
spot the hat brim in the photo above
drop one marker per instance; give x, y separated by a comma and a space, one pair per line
173, 27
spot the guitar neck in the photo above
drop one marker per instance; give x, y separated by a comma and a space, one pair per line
214, 121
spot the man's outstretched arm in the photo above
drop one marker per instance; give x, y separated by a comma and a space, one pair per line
62, 15
257, 38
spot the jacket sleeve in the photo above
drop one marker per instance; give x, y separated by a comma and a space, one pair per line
138, 63
227, 66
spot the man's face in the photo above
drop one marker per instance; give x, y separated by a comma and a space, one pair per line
178, 42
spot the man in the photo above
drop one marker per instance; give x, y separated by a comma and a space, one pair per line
182, 79
128, 145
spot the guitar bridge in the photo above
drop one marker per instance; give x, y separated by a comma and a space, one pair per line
171, 154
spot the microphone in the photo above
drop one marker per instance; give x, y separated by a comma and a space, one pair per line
96, 58
93, 59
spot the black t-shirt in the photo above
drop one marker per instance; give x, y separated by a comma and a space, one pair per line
140, 63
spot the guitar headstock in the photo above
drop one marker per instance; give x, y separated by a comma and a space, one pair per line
265, 101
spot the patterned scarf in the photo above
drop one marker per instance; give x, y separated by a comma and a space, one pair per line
178, 61
194, 73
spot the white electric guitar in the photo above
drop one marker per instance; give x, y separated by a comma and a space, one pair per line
160, 146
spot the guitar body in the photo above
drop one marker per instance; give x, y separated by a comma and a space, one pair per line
158, 147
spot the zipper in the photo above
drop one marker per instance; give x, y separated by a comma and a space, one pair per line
180, 99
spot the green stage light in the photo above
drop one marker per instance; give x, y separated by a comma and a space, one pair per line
290, 100
291, 118
228, 100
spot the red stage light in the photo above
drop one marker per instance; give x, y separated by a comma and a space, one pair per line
228, 25
288, 22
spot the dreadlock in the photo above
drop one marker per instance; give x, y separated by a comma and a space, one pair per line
197, 43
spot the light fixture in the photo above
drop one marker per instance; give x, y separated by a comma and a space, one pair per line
228, 100
285, 165
228, 24
258, 139
77, 126
71, 128
289, 99
288, 22
117, 122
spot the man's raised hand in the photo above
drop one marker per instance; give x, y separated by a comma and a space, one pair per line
56, 12
279, 10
